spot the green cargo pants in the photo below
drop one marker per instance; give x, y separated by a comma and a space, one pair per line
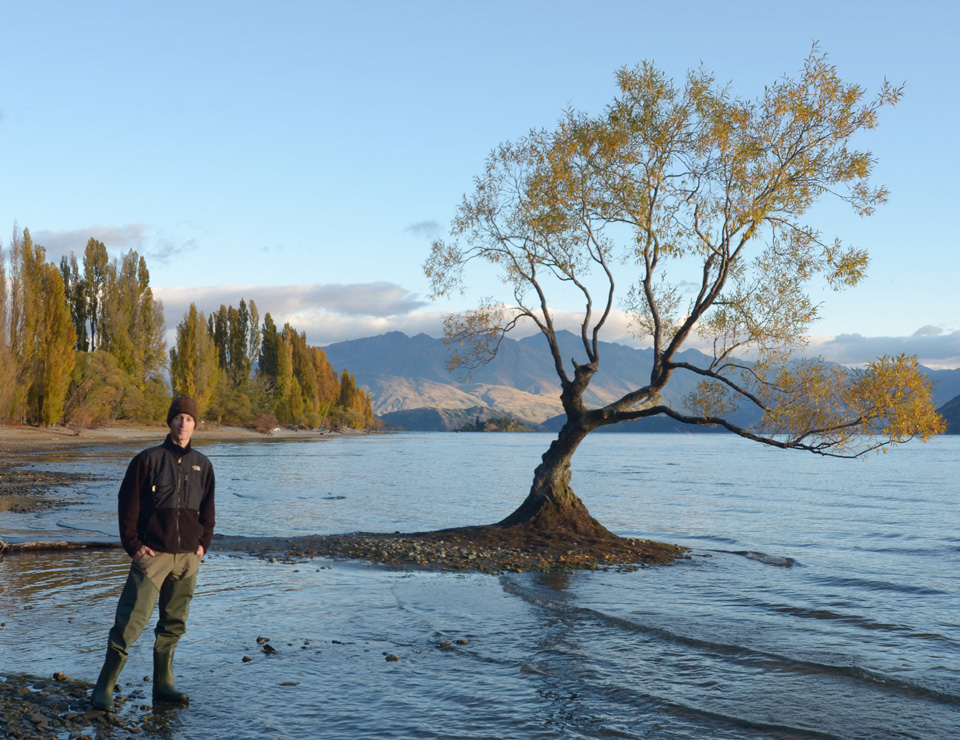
172, 577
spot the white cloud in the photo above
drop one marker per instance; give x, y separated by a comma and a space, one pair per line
937, 350
159, 248
326, 312
330, 313
115, 238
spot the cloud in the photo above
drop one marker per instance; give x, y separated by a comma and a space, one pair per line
934, 349
332, 312
158, 248
326, 312
168, 248
427, 229
115, 239
928, 331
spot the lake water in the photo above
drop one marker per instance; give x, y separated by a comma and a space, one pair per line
822, 599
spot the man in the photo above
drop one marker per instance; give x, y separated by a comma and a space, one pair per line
166, 514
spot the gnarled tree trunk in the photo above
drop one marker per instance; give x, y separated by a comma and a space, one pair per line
552, 506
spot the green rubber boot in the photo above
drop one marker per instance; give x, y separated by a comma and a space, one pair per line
103, 692
163, 689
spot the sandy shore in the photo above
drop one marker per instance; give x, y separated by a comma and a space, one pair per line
18, 439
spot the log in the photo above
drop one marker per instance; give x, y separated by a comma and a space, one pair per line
45, 546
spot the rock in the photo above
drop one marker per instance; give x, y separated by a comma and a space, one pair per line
445, 643
246, 659
58, 676
268, 649
262, 640
392, 658
463, 642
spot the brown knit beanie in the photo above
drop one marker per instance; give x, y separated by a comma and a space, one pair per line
183, 405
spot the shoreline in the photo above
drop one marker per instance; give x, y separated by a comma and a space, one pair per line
483, 549
38, 440
34, 707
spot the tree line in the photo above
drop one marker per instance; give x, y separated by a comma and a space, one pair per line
83, 344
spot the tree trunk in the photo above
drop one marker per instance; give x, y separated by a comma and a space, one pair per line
551, 506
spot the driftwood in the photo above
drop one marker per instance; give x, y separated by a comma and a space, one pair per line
41, 546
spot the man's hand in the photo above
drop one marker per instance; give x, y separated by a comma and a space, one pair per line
144, 550
200, 550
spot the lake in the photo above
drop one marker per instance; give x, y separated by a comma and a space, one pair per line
821, 600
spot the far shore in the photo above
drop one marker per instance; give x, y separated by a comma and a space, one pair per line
20, 439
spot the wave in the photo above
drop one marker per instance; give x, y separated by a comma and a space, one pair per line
63, 525
734, 653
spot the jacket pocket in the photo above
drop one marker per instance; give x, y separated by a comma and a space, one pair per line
165, 496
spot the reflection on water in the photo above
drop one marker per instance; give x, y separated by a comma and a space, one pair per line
858, 639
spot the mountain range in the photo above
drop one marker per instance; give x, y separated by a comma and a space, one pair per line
411, 388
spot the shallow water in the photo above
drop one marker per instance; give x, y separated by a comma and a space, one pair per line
821, 601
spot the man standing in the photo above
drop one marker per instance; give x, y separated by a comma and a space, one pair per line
166, 513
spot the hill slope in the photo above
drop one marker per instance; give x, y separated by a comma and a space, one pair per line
408, 374
410, 386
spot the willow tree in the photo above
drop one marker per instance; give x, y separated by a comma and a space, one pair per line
685, 183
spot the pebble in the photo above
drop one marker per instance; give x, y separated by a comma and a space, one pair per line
39, 708
392, 658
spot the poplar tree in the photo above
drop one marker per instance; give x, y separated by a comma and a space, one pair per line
57, 347
237, 337
269, 347
133, 322
42, 336
8, 373
98, 276
193, 361
76, 295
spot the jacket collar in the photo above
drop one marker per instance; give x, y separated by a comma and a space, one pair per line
175, 448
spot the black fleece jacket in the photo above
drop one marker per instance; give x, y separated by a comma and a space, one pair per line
166, 500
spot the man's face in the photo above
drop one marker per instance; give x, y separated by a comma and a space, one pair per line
181, 429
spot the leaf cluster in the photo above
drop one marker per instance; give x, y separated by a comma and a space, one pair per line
688, 207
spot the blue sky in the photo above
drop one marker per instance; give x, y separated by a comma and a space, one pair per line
304, 154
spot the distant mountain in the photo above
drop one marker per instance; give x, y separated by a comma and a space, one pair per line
950, 411
946, 384
410, 386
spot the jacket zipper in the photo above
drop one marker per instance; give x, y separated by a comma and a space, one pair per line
179, 491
